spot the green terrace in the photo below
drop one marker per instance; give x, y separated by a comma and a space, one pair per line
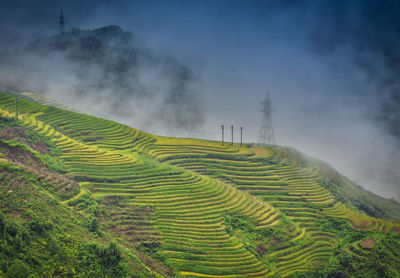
211, 210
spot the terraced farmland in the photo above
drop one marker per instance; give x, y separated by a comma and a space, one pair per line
187, 188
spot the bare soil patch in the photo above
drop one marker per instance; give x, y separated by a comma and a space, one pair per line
368, 243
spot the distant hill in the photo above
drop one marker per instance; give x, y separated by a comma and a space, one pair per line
109, 67
77, 36
84, 196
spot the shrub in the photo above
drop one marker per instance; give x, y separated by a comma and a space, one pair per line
110, 256
18, 269
93, 226
39, 226
2, 223
234, 221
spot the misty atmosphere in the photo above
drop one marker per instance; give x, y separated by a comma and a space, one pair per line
183, 68
200, 138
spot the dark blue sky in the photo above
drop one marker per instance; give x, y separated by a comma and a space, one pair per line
331, 67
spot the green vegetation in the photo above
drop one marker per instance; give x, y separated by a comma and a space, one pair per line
41, 238
381, 260
38, 249
88, 197
354, 195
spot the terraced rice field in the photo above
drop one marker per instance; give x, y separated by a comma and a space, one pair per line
291, 189
187, 185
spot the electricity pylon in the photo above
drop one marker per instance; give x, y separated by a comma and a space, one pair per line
267, 136
61, 22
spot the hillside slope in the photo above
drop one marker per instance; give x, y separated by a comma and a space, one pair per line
195, 208
39, 235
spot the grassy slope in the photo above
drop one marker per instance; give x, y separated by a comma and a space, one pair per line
202, 209
343, 189
351, 194
39, 235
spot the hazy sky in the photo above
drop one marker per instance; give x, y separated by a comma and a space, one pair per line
330, 67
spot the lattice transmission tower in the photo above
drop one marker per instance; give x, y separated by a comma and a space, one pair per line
61, 22
267, 136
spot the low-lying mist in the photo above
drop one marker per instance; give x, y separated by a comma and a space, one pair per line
106, 72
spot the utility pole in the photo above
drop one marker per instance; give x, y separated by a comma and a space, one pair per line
189, 248
61, 22
267, 136
241, 136
232, 133
16, 108
222, 128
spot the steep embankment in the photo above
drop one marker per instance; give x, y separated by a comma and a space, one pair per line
201, 209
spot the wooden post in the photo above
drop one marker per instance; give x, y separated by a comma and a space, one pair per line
232, 133
16, 108
222, 127
241, 136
